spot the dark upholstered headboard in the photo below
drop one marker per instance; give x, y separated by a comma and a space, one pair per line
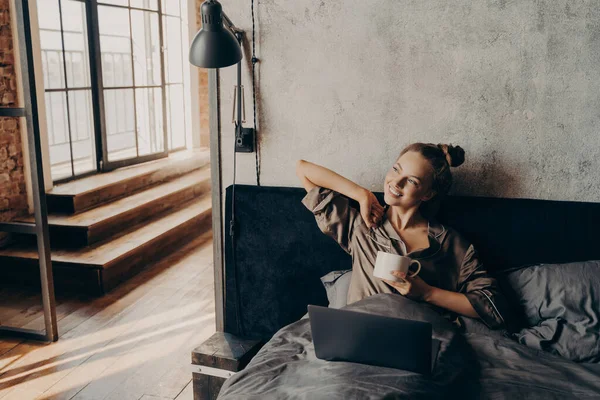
281, 253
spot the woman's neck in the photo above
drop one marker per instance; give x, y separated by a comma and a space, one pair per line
402, 219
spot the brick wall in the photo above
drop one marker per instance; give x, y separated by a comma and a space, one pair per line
203, 88
13, 197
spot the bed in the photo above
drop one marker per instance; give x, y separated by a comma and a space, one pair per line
539, 250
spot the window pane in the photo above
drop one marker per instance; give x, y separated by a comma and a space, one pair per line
76, 49
58, 134
81, 119
176, 121
149, 119
173, 55
48, 14
53, 72
187, 100
57, 118
168, 107
51, 44
117, 2
146, 48
73, 13
170, 7
115, 46
120, 124
147, 4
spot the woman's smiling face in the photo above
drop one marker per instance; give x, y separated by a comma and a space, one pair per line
409, 181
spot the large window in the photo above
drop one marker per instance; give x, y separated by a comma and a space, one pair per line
65, 62
141, 109
177, 74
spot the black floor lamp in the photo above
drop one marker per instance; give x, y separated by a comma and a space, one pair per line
216, 46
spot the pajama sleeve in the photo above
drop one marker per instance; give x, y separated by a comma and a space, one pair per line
482, 291
334, 215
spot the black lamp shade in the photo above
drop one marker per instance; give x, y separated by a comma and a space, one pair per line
214, 46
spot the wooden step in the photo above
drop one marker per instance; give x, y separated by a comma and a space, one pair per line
86, 193
107, 220
98, 268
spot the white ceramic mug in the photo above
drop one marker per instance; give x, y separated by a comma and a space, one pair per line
387, 262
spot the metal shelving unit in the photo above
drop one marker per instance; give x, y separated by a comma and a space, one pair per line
40, 228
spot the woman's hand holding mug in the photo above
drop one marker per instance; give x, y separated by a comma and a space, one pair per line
414, 288
393, 269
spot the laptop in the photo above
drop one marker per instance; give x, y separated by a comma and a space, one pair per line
343, 335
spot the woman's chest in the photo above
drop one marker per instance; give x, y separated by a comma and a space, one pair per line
438, 268
414, 240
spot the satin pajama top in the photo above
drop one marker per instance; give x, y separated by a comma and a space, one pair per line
450, 262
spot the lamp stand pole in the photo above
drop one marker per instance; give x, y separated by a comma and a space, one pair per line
216, 178
217, 193
214, 47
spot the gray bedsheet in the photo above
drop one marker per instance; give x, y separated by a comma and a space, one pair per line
480, 364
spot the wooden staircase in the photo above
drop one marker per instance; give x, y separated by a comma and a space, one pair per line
106, 228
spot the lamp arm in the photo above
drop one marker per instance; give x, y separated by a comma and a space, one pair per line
238, 34
230, 24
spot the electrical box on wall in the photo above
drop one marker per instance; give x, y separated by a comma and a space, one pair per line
245, 143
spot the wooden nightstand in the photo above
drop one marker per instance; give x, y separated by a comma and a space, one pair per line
218, 358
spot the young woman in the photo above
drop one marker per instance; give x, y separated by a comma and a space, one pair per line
452, 276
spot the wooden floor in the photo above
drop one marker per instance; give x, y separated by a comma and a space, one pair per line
133, 343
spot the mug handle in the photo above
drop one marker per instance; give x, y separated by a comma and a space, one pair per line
418, 269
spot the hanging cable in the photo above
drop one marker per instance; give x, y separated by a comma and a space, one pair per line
238, 312
254, 61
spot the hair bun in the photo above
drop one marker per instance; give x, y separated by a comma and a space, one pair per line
455, 155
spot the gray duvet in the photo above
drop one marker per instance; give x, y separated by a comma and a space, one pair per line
479, 364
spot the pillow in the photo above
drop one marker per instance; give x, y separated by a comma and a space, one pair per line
336, 285
561, 306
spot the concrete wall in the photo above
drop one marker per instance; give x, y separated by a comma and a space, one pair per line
348, 83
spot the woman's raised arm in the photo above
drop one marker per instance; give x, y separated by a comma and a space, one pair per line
312, 175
